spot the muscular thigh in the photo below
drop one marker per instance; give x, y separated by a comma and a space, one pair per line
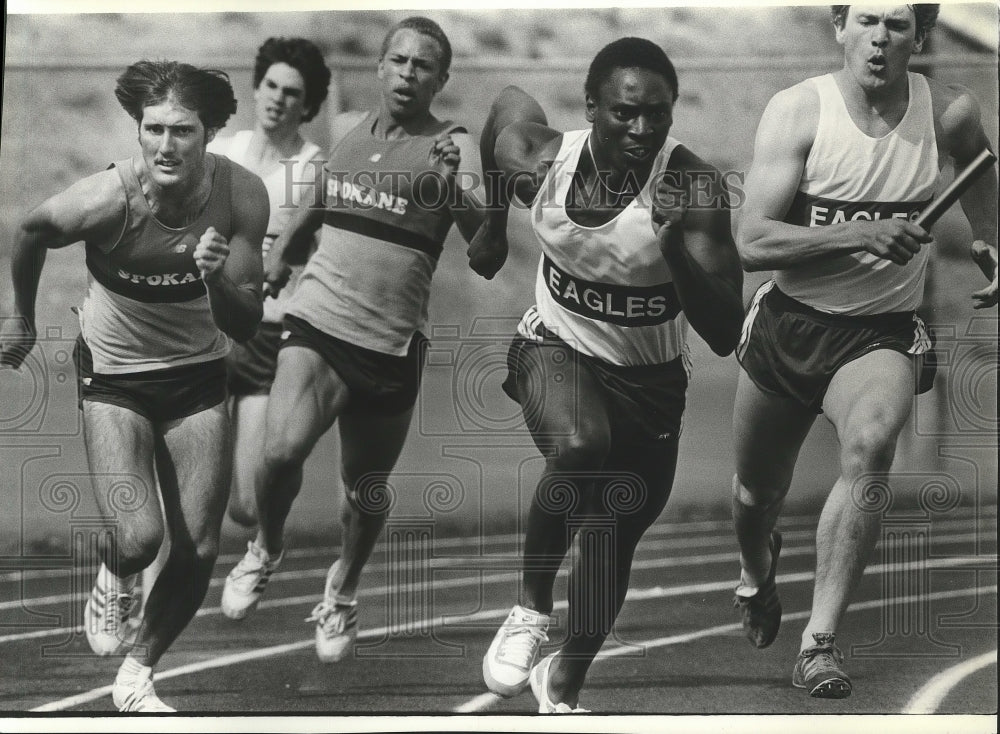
873, 393
249, 414
768, 431
563, 403
306, 397
120, 453
194, 463
640, 475
370, 445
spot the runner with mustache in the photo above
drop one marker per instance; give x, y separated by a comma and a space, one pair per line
172, 241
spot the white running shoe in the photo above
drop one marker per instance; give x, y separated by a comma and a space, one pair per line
540, 689
107, 613
336, 623
514, 651
137, 696
246, 582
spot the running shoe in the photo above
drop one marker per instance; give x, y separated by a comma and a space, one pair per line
540, 688
138, 697
514, 651
107, 613
762, 612
246, 582
818, 669
336, 623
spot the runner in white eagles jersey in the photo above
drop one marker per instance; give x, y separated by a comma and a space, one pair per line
600, 363
841, 163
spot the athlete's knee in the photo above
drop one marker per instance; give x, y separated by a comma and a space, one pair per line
206, 552
370, 494
868, 448
133, 549
197, 553
585, 449
243, 511
282, 454
750, 493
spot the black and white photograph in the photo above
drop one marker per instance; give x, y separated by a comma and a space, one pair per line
564, 367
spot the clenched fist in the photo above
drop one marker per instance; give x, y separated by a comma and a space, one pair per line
670, 205
445, 156
210, 255
487, 251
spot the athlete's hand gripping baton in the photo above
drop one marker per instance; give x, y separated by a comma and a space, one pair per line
955, 189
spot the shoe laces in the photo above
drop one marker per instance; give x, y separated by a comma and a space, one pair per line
332, 618
117, 608
520, 643
250, 567
823, 657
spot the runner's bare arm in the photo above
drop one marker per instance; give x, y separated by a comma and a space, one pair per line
962, 128
697, 244
93, 208
784, 137
232, 270
466, 198
296, 241
515, 142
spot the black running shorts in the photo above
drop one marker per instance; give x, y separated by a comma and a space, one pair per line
383, 384
157, 395
646, 403
790, 349
250, 365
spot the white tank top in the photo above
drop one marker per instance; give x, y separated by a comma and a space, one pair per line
284, 200
851, 176
605, 290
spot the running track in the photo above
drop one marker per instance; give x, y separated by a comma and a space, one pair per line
921, 635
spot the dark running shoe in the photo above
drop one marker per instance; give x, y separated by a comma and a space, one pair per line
818, 669
762, 612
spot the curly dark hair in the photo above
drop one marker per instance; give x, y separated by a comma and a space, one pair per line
626, 53
925, 13
206, 91
425, 27
303, 56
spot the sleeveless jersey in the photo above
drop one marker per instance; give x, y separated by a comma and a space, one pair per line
147, 307
605, 290
850, 176
384, 227
284, 190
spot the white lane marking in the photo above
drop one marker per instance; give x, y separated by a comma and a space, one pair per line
487, 700
454, 619
486, 563
457, 542
984, 515
499, 561
929, 697
440, 584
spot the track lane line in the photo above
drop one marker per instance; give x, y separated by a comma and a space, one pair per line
482, 578
454, 619
446, 562
472, 541
932, 694
486, 701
